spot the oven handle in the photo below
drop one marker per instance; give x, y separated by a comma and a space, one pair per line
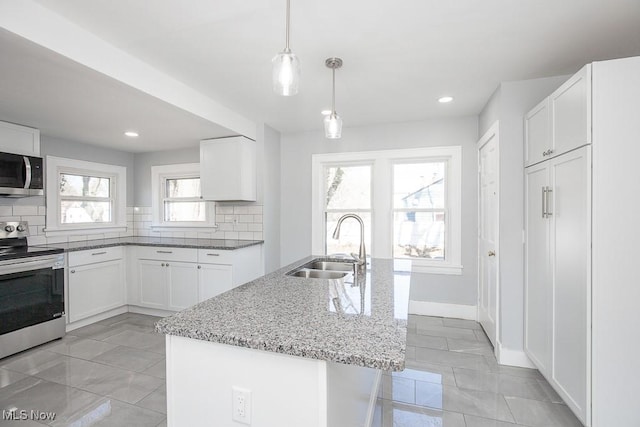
11, 266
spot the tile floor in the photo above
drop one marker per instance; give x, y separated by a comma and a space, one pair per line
112, 373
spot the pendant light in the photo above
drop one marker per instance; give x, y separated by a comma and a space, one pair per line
286, 68
333, 122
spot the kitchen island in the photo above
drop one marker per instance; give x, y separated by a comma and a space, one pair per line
309, 351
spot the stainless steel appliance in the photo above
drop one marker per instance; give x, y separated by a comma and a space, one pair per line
31, 291
20, 176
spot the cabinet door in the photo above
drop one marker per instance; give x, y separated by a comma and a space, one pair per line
214, 279
571, 113
95, 288
570, 262
154, 283
537, 133
538, 294
228, 169
183, 285
19, 139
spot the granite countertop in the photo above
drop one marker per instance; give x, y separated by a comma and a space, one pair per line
363, 325
155, 241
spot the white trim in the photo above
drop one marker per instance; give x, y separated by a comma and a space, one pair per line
57, 165
180, 170
455, 270
510, 357
381, 214
441, 309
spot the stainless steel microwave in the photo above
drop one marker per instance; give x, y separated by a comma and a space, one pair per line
20, 176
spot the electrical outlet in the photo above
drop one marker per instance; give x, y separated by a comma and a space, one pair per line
241, 405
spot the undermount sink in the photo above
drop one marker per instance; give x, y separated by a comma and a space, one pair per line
330, 265
318, 274
323, 269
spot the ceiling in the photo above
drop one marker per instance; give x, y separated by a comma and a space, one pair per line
399, 57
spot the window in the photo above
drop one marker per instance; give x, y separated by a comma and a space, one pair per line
84, 196
176, 197
409, 201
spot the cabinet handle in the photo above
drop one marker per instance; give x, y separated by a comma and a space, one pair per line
164, 252
491, 253
162, 265
167, 265
544, 200
72, 271
199, 267
549, 191
213, 254
99, 253
544, 154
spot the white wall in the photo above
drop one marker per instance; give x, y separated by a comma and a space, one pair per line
296, 152
508, 104
270, 184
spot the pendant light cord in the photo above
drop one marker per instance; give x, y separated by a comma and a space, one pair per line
286, 48
333, 97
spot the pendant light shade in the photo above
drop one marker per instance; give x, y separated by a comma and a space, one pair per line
286, 73
286, 67
332, 126
333, 122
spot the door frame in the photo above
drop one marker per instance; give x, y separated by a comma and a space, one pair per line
493, 131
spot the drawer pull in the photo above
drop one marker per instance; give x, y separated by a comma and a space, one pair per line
164, 252
213, 254
162, 265
199, 267
99, 253
73, 271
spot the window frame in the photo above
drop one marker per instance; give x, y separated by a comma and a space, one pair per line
159, 176
57, 166
382, 201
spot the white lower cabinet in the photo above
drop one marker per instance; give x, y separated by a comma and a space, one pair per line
183, 285
154, 283
98, 286
214, 279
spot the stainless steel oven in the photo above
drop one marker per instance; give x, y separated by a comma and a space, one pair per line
31, 295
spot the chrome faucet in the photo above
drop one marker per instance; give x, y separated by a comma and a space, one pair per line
361, 258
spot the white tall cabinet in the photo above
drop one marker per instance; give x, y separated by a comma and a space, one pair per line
581, 291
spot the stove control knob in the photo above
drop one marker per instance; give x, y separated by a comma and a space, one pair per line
21, 228
9, 228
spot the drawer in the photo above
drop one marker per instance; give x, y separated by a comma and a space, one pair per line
166, 253
215, 256
91, 256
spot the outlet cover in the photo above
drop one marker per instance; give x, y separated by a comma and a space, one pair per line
241, 405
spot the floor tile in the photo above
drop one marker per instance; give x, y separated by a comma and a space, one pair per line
461, 323
552, 395
424, 321
481, 403
473, 421
32, 362
140, 340
399, 389
112, 413
158, 370
445, 331
430, 394
37, 394
82, 348
162, 424
9, 377
506, 385
156, 401
452, 359
129, 358
512, 370
92, 329
394, 414
541, 414
463, 345
430, 372
438, 343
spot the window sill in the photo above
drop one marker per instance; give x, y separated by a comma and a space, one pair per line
53, 232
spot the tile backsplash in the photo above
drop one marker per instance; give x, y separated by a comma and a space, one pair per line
243, 222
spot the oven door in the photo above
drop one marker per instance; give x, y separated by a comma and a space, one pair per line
31, 292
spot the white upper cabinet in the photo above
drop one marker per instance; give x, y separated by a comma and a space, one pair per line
538, 133
571, 113
228, 169
19, 139
561, 122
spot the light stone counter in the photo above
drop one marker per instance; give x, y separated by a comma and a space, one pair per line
330, 320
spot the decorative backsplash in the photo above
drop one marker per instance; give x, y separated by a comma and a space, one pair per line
243, 222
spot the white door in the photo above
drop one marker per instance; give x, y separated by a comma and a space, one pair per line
488, 199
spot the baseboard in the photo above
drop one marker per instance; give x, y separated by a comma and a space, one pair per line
150, 311
96, 318
441, 309
519, 358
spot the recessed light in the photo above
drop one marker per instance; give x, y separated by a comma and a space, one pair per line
131, 134
325, 112
445, 99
